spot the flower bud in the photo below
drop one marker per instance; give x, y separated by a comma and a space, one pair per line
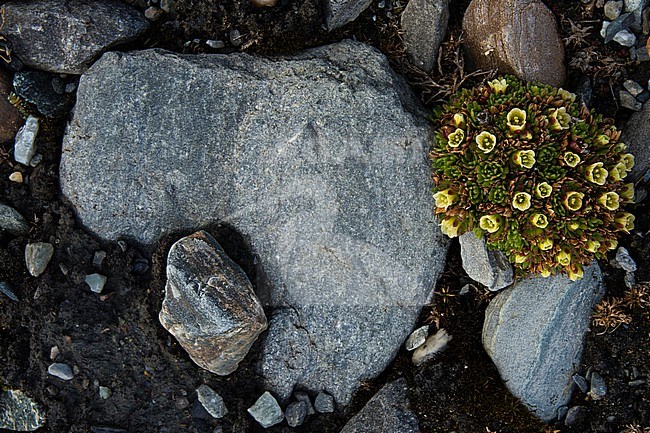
498, 86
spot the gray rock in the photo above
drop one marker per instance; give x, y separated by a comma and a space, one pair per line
304, 397
324, 403
266, 411
296, 413
424, 26
636, 134
25, 144
629, 279
65, 36
167, 5
581, 382
5, 289
613, 8
534, 333
624, 261
343, 245
628, 101
636, 7
210, 306
60, 370
37, 88
341, 12
575, 416
633, 87
19, 412
625, 38
104, 393
96, 282
417, 338
598, 388
11, 221
490, 268
387, 412
518, 37
98, 258
611, 29
37, 257
433, 346
211, 401
153, 13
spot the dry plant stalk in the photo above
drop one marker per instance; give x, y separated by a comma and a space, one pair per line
610, 315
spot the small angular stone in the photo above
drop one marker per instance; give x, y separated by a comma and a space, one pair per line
624, 261
210, 306
611, 29
211, 401
633, 87
16, 176
266, 411
612, 9
628, 101
296, 413
25, 145
104, 393
37, 257
60, 370
434, 345
417, 338
575, 416
98, 258
19, 412
324, 403
490, 268
12, 221
6, 290
153, 13
304, 397
625, 38
581, 382
424, 26
598, 388
96, 282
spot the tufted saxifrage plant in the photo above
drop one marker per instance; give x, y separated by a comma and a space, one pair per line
533, 172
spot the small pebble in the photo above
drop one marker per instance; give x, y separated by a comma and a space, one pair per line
211, 401
603, 29
96, 282
54, 352
166, 5
16, 176
296, 413
324, 403
37, 257
140, 266
153, 13
6, 290
266, 411
303, 396
25, 142
643, 97
434, 345
624, 261
628, 101
264, 3
612, 9
633, 87
581, 382
575, 416
235, 38
70, 87
215, 43
625, 38
561, 412
417, 338
60, 370
642, 54
598, 387
466, 289
36, 159
58, 86
637, 382
104, 392
181, 403
98, 258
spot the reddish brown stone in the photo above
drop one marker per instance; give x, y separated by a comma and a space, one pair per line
10, 118
518, 37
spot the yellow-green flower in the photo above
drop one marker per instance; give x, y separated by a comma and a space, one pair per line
543, 190
596, 173
486, 141
571, 159
444, 199
625, 221
627, 192
628, 160
498, 86
592, 246
602, 139
459, 120
456, 138
524, 158
563, 258
560, 119
618, 172
573, 200
490, 223
539, 220
545, 244
574, 225
516, 119
609, 200
520, 258
521, 201
575, 271
566, 95
545, 272
449, 226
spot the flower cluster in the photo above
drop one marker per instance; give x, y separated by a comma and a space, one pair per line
533, 172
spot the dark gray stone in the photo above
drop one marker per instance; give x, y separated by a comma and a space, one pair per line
324, 403
629, 101
490, 268
636, 134
318, 160
341, 12
534, 333
581, 382
598, 388
210, 306
620, 24
11, 221
304, 397
37, 257
424, 26
5, 289
266, 411
296, 413
36, 87
65, 36
60, 370
18, 412
387, 412
576, 416
636, 7
211, 401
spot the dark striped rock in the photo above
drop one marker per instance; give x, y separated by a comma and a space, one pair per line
210, 306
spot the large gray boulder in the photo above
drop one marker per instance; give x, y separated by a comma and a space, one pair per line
636, 135
317, 160
210, 306
65, 36
534, 333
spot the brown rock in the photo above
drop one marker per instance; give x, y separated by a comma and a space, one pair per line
518, 37
209, 304
10, 118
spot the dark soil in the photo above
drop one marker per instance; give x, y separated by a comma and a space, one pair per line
115, 340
